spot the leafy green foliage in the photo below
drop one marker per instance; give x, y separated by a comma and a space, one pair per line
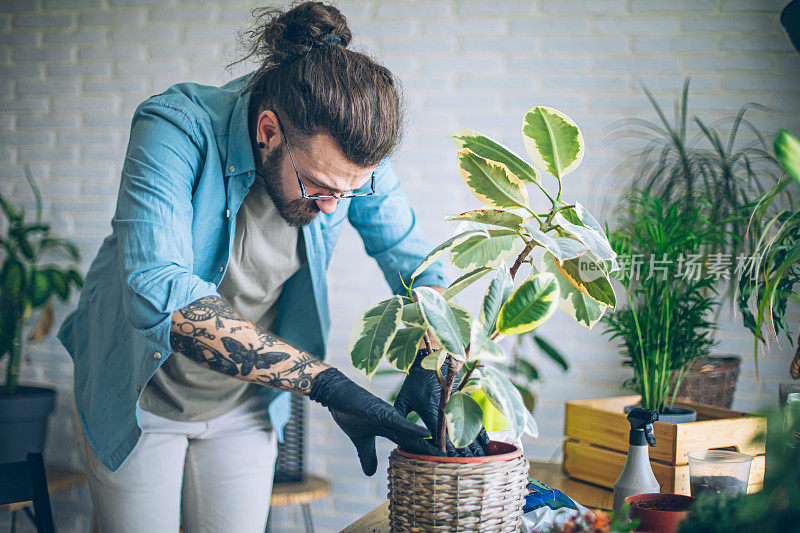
669, 318
26, 285
372, 334
491, 239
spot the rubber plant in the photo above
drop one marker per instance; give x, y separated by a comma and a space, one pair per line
775, 263
26, 284
573, 274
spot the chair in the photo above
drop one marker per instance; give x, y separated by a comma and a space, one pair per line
25, 481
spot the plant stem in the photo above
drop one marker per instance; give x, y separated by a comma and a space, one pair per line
467, 376
453, 367
520, 259
15, 361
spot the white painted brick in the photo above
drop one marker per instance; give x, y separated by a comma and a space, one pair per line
166, 33
182, 14
149, 68
511, 84
404, 46
684, 44
22, 137
44, 20
732, 24
656, 23
465, 27
126, 17
78, 103
25, 54
547, 64
769, 6
42, 121
206, 33
582, 7
471, 8
11, 6
105, 85
768, 43
25, 37
548, 26
5, 22
488, 65
650, 6
581, 44
137, 3
57, 153
760, 83
421, 10
513, 45
25, 87
713, 62
82, 36
72, 4
235, 14
185, 51
638, 64
395, 28
24, 103
111, 51
77, 69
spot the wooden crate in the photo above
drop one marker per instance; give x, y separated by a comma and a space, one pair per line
597, 431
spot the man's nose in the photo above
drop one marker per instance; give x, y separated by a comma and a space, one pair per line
327, 205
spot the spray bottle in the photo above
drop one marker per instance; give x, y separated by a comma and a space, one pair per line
637, 476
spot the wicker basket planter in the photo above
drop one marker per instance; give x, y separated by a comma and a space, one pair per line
450, 494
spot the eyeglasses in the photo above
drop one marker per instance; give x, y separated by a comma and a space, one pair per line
346, 194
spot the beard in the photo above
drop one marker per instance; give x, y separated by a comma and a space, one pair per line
298, 212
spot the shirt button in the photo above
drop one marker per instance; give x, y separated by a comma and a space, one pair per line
222, 268
231, 168
157, 356
138, 388
227, 213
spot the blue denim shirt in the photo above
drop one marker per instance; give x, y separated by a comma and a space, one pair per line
188, 166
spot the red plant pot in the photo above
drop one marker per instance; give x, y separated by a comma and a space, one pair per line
659, 513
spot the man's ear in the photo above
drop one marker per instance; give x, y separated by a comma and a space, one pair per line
268, 130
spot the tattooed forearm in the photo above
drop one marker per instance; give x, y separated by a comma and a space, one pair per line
202, 332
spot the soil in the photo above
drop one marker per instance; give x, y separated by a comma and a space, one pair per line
716, 484
662, 505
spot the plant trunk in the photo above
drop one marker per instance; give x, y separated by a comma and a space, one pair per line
453, 368
14, 362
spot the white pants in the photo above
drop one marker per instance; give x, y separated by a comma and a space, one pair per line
212, 477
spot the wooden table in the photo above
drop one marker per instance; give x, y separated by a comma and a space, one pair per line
592, 496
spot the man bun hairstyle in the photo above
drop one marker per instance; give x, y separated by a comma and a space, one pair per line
309, 77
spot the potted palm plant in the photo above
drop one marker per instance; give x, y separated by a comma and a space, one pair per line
27, 283
668, 321
447, 493
723, 169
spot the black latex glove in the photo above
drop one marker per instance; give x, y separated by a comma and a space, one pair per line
363, 416
420, 393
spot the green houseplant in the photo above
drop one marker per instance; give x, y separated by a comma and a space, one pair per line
775, 263
27, 283
573, 274
668, 321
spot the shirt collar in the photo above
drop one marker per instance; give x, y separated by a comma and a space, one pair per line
240, 152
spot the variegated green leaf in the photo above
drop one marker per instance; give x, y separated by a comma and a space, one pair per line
434, 360
404, 346
491, 183
411, 315
464, 418
553, 141
588, 276
440, 321
496, 295
534, 301
463, 320
507, 399
597, 243
573, 302
445, 246
492, 217
500, 246
494, 151
482, 348
561, 247
465, 281
372, 333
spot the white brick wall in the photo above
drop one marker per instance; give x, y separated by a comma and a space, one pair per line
72, 71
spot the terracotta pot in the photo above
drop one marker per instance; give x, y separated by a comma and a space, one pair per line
659, 513
446, 494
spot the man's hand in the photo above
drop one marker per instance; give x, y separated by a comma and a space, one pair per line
420, 393
363, 416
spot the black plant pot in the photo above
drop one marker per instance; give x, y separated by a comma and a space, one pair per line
23, 422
